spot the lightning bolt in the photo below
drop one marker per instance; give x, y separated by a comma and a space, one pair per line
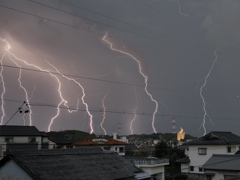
83, 96
201, 90
24, 89
140, 71
4, 89
134, 111
179, 7
104, 113
13, 56
10, 55
16, 61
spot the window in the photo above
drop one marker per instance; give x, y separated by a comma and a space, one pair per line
121, 149
116, 149
191, 168
31, 139
200, 169
202, 151
9, 139
231, 149
209, 177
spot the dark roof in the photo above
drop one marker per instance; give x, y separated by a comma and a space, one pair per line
44, 134
131, 147
19, 131
61, 140
223, 162
183, 160
84, 163
216, 138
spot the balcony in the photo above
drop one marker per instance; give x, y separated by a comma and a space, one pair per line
150, 161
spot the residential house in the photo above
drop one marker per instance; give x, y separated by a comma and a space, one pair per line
21, 137
112, 144
200, 150
86, 163
152, 165
62, 142
222, 167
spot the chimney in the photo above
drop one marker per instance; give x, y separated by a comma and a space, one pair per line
114, 135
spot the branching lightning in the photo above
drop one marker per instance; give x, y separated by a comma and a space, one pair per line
134, 111
17, 62
83, 96
4, 89
140, 71
201, 90
104, 113
24, 89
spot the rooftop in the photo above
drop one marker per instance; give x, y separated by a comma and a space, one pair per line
84, 163
8, 130
216, 138
223, 162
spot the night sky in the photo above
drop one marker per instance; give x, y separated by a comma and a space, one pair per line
187, 49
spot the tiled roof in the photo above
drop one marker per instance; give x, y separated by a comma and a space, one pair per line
216, 138
88, 142
223, 162
19, 131
115, 142
86, 163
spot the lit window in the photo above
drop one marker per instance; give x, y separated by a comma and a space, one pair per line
202, 151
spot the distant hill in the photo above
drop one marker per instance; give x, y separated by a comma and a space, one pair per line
75, 134
72, 134
158, 136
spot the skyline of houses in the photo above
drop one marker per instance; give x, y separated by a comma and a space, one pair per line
211, 157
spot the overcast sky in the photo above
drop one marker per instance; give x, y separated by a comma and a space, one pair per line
174, 42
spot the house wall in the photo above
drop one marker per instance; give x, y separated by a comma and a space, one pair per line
185, 168
219, 175
116, 148
12, 171
197, 160
21, 139
154, 169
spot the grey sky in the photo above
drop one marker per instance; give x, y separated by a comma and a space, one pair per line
175, 45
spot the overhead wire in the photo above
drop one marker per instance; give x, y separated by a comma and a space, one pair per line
100, 110
121, 29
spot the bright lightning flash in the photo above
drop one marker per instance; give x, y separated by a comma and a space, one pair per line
134, 111
83, 96
104, 113
16, 61
140, 71
4, 89
12, 57
201, 90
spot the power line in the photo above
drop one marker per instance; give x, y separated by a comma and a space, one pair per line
100, 110
94, 79
165, 35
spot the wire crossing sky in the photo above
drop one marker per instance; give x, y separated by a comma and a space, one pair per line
56, 56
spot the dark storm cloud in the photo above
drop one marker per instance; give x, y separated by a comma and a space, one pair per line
176, 52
